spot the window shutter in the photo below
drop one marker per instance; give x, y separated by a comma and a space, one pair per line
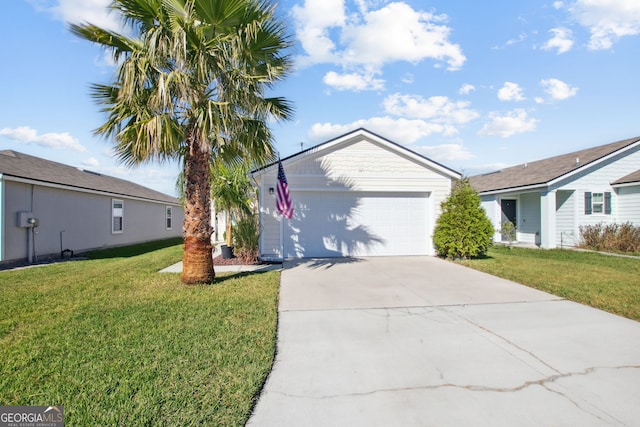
607, 203
587, 203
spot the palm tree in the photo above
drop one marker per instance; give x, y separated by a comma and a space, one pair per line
190, 84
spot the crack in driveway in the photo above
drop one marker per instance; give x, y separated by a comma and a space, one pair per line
471, 387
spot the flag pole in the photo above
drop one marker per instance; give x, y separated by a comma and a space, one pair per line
281, 221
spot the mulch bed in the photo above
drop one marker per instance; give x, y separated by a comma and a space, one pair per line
231, 261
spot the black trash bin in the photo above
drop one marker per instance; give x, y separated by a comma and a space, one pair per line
227, 252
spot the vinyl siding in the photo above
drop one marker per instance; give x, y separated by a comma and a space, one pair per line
566, 234
529, 218
598, 181
362, 166
491, 206
84, 219
629, 204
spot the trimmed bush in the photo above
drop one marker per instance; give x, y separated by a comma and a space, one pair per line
623, 237
463, 229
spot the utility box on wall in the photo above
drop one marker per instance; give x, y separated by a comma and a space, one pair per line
23, 219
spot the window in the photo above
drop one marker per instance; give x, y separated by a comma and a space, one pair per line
597, 203
117, 216
168, 218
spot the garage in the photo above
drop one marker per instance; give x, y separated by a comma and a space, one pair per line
356, 195
348, 223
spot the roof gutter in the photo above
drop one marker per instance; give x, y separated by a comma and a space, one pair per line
626, 184
514, 189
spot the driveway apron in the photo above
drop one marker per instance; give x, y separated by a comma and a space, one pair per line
397, 341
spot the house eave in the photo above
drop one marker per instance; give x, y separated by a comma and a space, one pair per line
626, 184
84, 190
514, 189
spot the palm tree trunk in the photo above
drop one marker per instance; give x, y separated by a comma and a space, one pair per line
197, 261
229, 230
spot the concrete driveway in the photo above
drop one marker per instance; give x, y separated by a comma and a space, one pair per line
403, 341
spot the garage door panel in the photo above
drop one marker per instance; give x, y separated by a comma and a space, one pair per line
335, 224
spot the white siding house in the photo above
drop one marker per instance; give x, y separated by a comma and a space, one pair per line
356, 195
76, 210
554, 197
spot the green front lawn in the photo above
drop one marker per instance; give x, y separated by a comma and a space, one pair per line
117, 343
606, 282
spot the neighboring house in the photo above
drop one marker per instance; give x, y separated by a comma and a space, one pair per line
75, 209
549, 200
356, 195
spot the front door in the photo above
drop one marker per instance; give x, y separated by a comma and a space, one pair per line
509, 220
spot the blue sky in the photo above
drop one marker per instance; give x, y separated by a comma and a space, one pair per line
476, 86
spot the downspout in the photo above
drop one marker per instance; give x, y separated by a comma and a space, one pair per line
31, 239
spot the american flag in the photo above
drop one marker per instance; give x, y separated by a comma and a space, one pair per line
283, 198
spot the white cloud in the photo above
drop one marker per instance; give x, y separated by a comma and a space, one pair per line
521, 37
512, 123
510, 92
561, 41
91, 162
558, 4
370, 38
421, 117
397, 32
403, 131
438, 109
160, 179
445, 152
558, 90
313, 21
607, 20
466, 89
59, 141
408, 78
353, 81
96, 12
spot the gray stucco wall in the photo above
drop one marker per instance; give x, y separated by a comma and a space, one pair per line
83, 218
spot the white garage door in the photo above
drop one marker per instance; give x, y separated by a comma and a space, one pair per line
336, 224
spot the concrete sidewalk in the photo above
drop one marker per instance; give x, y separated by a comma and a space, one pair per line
421, 341
177, 268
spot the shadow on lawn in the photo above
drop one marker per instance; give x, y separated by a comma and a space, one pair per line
133, 250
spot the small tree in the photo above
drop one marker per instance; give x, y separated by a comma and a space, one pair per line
232, 192
246, 238
508, 231
463, 229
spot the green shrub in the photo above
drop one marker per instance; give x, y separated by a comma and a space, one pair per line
509, 232
246, 236
623, 237
463, 229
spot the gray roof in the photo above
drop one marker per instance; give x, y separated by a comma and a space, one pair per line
631, 178
19, 165
543, 171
